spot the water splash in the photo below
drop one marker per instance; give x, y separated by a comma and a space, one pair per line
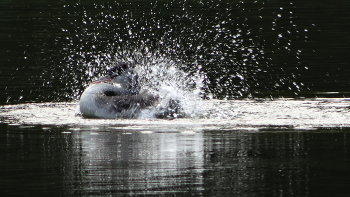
242, 55
174, 86
180, 93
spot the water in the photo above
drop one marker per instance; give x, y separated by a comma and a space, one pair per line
244, 148
215, 114
246, 49
263, 84
85, 161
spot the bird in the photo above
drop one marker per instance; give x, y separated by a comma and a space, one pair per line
117, 95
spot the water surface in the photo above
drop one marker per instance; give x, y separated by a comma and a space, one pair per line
238, 148
63, 161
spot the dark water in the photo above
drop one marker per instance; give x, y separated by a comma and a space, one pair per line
42, 161
51, 50
245, 49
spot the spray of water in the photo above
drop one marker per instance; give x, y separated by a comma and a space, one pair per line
174, 86
224, 53
180, 93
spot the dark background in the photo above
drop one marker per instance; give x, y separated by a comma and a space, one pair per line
246, 48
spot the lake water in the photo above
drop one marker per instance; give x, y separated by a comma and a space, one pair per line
264, 86
119, 160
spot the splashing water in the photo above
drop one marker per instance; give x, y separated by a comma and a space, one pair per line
241, 55
174, 86
179, 92
186, 55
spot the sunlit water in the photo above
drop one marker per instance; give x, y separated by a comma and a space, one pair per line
215, 114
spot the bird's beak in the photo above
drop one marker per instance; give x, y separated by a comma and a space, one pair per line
102, 80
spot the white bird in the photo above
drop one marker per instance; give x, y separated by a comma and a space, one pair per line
116, 95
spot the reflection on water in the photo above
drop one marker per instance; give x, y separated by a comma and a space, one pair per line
141, 163
103, 161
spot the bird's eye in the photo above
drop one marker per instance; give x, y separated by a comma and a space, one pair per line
110, 93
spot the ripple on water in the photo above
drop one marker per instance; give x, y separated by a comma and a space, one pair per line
216, 114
